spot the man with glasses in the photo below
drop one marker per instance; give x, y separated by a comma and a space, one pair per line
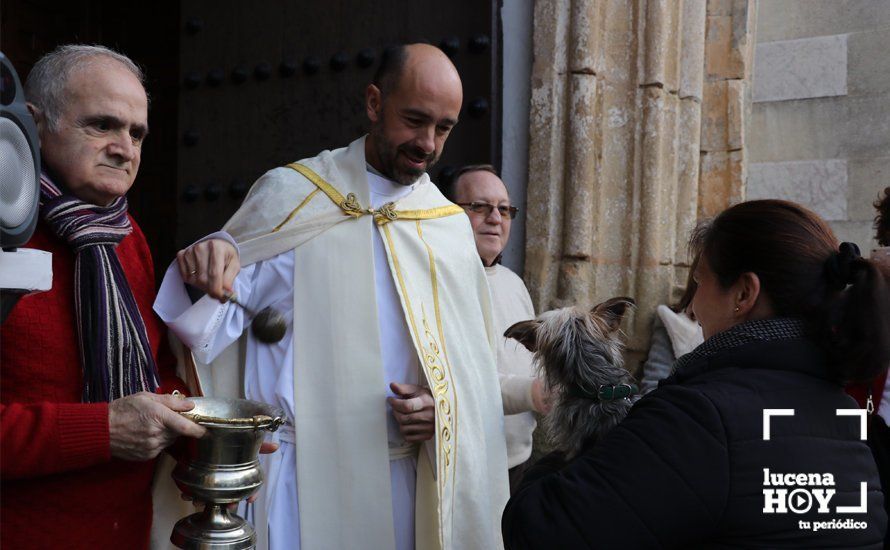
483, 195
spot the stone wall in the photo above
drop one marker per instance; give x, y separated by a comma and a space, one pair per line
819, 132
726, 105
636, 129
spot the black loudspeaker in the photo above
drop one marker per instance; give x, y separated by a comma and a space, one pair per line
19, 161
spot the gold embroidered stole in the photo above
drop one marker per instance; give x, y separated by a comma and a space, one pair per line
417, 273
351, 207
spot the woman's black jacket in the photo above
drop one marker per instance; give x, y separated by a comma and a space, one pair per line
686, 467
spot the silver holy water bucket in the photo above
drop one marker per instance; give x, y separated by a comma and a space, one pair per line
222, 468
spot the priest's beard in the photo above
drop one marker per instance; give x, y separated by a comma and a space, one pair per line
388, 152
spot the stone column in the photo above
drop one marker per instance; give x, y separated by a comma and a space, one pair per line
726, 104
614, 153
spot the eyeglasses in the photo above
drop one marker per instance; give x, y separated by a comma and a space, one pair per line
485, 208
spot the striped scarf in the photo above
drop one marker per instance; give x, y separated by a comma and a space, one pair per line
115, 355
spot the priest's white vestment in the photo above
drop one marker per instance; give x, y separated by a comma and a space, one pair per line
348, 249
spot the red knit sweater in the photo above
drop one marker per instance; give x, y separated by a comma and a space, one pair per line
60, 486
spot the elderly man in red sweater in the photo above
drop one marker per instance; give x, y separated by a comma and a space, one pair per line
82, 366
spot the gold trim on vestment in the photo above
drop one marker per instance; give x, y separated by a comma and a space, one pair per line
348, 204
297, 209
383, 215
434, 281
437, 372
428, 214
436, 367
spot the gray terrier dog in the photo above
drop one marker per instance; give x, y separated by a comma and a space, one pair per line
579, 353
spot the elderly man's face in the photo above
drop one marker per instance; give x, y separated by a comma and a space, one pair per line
490, 228
96, 147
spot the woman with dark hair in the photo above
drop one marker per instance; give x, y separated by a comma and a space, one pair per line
789, 316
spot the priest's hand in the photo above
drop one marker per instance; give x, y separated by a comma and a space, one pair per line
142, 425
210, 266
415, 411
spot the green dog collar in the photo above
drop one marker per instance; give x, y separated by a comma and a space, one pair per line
606, 392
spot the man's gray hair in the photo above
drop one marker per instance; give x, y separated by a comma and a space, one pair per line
46, 83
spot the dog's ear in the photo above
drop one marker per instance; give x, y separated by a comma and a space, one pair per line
526, 333
613, 310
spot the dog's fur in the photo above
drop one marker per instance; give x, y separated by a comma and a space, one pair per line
582, 349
